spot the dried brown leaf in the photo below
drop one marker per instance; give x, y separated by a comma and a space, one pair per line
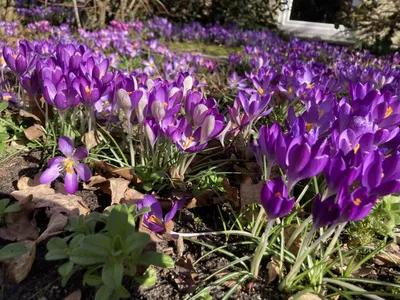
392, 258
25, 114
22, 228
186, 274
180, 246
77, 295
95, 182
56, 226
132, 196
273, 269
202, 199
232, 193
307, 296
250, 192
91, 140
295, 246
19, 145
34, 132
118, 187
41, 196
111, 171
19, 267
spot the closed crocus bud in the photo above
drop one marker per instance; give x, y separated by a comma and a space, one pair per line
324, 212
141, 107
123, 100
158, 110
187, 84
274, 199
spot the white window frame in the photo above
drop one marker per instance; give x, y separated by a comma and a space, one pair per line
324, 31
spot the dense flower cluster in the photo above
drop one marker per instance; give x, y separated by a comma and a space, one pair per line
342, 111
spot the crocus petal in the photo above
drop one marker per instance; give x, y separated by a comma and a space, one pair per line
56, 161
80, 153
154, 204
171, 214
83, 171
71, 182
50, 174
66, 146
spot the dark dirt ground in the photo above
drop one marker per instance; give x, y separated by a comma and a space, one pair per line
43, 281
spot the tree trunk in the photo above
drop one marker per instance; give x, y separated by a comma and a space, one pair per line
102, 8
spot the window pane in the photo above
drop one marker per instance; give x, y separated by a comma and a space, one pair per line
321, 11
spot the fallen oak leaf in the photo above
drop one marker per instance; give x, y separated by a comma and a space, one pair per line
91, 139
133, 196
20, 229
56, 226
34, 132
118, 187
273, 267
18, 268
95, 183
111, 171
23, 113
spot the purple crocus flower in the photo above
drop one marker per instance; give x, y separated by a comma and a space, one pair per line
68, 165
304, 159
324, 212
274, 199
355, 206
154, 219
271, 144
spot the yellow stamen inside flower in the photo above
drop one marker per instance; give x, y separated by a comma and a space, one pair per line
310, 85
291, 74
165, 104
68, 166
15, 56
290, 90
383, 175
278, 194
260, 91
357, 201
308, 126
6, 98
87, 89
2, 62
266, 73
155, 220
388, 112
356, 148
101, 75
189, 141
320, 112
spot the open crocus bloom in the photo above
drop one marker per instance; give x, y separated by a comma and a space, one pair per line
68, 165
154, 219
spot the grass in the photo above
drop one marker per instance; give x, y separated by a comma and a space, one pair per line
197, 47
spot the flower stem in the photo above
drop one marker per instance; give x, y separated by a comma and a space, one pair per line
130, 142
302, 256
260, 250
234, 232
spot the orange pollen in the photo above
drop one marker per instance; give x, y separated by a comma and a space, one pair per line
356, 148
357, 201
2, 62
290, 90
189, 141
15, 56
310, 85
388, 112
155, 220
260, 91
165, 104
6, 98
87, 89
278, 194
308, 127
68, 166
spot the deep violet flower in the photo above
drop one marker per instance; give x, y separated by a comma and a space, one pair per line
154, 219
68, 165
274, 199
324, 212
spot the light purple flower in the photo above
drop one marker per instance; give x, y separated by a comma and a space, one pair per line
68, 165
